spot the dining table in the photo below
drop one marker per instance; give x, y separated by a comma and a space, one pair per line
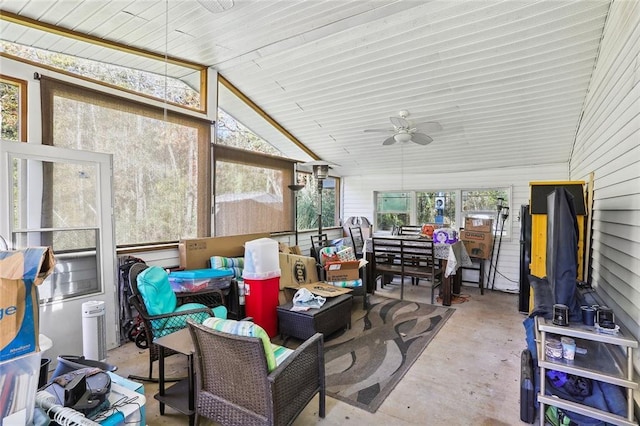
453, 256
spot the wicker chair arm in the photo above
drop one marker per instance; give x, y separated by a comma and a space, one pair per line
299, 377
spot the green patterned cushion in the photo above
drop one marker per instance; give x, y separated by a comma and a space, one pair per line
247, 328
235, 264
346, 284
281, 353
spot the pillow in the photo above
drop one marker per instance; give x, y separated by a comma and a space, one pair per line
154, 287
236, 264
244, 328
328, 254
346, 254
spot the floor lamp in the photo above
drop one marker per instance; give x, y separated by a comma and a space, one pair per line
493, 243
505, 215
320, 173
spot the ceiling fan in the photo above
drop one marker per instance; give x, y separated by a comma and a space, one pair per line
404, 131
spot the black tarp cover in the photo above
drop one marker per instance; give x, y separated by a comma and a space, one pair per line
562, 250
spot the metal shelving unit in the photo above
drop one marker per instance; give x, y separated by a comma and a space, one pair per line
609, 359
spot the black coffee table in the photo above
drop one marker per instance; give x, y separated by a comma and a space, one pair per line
334, 315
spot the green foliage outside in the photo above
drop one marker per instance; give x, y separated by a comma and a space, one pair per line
9, 105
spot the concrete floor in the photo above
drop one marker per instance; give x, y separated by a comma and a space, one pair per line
469, 374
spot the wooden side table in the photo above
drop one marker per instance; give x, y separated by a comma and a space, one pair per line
180, 395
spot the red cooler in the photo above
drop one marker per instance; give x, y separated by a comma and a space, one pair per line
261, 301
261, 276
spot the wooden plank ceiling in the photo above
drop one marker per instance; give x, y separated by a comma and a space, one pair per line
505, 79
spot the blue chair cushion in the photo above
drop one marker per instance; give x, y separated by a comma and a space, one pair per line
154, 287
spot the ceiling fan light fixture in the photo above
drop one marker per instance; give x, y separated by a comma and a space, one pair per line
402, 137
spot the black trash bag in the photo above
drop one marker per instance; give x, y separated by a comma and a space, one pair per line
562, 250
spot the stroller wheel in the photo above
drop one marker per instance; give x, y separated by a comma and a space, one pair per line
131, 331
141, 340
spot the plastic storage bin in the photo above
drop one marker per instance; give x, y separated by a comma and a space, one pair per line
18, 386
261, 259
200, 279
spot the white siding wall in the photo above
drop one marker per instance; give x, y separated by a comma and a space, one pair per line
358, 200
608, 144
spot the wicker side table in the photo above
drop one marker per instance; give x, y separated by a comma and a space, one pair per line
334, 315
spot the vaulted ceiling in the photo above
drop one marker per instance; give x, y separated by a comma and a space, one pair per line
506, 80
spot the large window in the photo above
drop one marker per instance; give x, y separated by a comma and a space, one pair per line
161, 170
396, 208
250, 192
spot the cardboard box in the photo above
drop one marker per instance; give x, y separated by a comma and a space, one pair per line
478, 224
477, 244
325, 290
343, 271
289, 249
296, 270
319, 288
195, 253
20, 272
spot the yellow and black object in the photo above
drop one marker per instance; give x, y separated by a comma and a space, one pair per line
538, 208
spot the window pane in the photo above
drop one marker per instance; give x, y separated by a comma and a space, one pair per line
68, 222
10, 110
392, 209
436, 207
77, 262
483, 204
231, 132
393, 202
387, 221
248, 199
160, 168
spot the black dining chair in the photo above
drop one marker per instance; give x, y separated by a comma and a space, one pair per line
407, 258
357, 240
409, 230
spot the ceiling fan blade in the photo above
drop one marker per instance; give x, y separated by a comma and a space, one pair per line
389, 141
421, 139
379, 130
399, 122
428, 126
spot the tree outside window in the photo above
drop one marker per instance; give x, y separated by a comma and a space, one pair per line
10, 102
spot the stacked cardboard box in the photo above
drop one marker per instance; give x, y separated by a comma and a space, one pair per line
478, 237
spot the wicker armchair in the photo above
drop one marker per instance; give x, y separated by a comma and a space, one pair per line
234, 386
159, 325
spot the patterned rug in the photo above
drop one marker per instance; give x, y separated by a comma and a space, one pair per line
365, 363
